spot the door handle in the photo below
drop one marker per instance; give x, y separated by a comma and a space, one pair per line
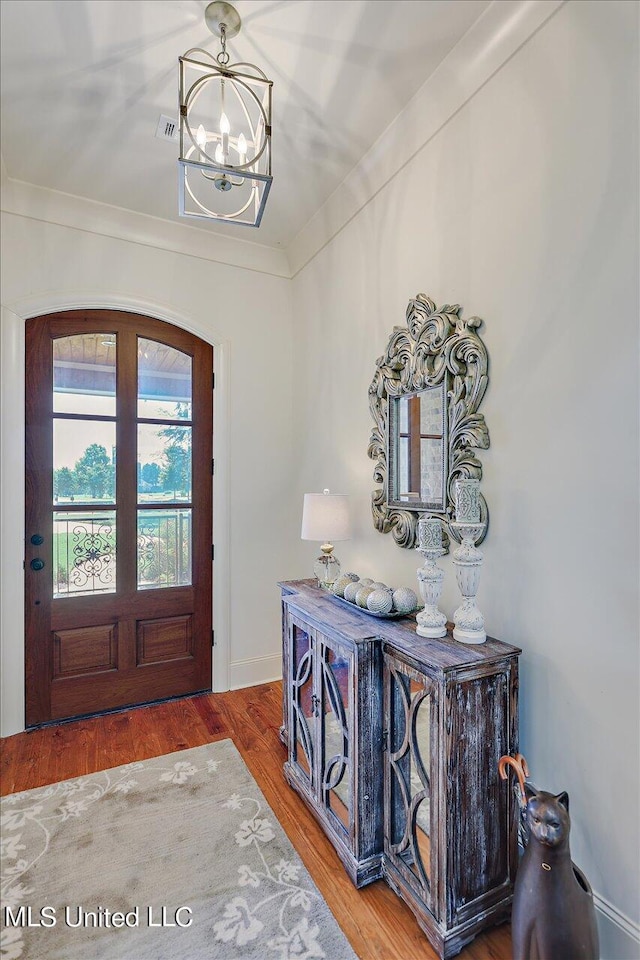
37, 563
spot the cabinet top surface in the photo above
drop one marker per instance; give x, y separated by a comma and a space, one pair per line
356, 625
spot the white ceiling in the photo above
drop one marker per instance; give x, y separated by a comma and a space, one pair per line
83, 83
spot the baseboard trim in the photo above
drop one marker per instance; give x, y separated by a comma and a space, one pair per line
619, 934
248, 673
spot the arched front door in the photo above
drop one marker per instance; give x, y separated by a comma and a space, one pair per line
118, 512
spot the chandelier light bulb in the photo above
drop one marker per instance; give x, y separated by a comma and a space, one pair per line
201, 137
219, 154
242, 148
225, 128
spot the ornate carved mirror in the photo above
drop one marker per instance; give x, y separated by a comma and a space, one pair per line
424, 401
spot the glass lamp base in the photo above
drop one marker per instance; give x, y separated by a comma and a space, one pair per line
327, 570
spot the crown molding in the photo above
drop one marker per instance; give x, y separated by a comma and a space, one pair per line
52, 206
492, 40
488, 44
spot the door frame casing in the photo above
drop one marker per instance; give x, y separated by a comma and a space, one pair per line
12, 473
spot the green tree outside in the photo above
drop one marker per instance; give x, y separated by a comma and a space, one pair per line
175, 471
150, 474
64, 482
95, 474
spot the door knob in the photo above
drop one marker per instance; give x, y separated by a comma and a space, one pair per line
36, 539
37, 563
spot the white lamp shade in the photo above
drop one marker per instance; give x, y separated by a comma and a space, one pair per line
325, 516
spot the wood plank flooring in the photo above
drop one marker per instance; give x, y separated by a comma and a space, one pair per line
375, 921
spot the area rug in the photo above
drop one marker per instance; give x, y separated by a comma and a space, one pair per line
175, 857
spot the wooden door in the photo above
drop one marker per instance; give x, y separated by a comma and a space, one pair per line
118, 513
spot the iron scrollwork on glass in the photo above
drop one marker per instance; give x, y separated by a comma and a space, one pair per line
84, 554
438, 347
164, 548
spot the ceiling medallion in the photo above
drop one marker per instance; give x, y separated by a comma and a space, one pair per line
225, 130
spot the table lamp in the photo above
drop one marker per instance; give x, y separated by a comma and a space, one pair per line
325, 517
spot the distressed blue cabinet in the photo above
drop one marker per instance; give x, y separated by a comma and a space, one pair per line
393, 743
334, 731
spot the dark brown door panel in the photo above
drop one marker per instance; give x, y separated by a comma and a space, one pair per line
118, 576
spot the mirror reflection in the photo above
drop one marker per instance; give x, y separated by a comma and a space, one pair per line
418, 450
303, 703
420, 763
335, 714
409, 783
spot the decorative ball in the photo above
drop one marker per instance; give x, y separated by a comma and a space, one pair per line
361, 596
366, 581
380, 601
340, 584
378, 585
405, 600
350, 591
352, 576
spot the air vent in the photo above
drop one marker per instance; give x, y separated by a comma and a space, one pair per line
167, 128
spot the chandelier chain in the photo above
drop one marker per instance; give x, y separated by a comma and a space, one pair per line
223, 57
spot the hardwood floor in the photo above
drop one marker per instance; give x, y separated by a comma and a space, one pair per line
376, 922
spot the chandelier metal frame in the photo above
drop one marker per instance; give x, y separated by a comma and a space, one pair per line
201, 151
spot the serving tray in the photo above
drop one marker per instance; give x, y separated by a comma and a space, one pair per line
394, 615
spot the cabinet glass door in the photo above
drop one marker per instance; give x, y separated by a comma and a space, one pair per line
335, 719
410, 711
303, 701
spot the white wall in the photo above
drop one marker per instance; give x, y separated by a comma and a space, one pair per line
247, 315
524, 209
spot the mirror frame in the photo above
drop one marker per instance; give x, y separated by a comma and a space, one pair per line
436, 345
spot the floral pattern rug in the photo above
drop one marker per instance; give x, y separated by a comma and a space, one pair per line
174, 857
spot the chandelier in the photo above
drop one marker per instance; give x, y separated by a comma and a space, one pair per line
225, 130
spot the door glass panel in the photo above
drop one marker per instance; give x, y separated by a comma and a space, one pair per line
410, 788
335, 727
84, 553
164, 462
303, 701
399, 762
164, 548
164, 381
420, 785
84, 469
84, 374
